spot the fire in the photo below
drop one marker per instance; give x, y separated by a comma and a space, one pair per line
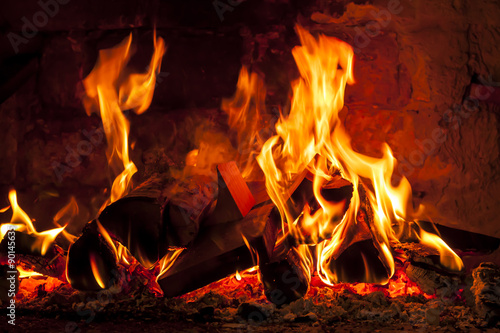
64, 216
111, 92
21, 222
313, 137
245, 110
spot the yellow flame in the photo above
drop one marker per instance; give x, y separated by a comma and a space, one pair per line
111, 93
167, 261
64, 217
447, 257
313, 137
95, 270
245, 111
26, 274
20, 221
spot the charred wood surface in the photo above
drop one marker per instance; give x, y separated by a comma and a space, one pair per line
28, 255
486, 290
285, 279
219, 251
91, 261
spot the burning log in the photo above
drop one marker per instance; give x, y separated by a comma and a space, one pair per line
221, 250
28, 255
424, 268
91, 261
234, 199
286, 279
189, 202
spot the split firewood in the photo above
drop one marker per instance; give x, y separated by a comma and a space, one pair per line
335, 191
91, 261
287, 278
220, 250
136, 221
29, 257
234, 199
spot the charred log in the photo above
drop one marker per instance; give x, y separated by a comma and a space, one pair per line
190, 201
28, 255
221, 250
286, 279
91, 261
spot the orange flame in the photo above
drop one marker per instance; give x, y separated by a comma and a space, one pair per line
111, 98
313, 137
245, 110
64, 216
20, 221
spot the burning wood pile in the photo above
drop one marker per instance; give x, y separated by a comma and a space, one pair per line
299, 213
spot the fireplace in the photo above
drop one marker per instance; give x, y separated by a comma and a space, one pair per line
250, 165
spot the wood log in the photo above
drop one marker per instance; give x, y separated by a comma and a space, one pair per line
286, 279
190, 201
29, 257
91, 261
424, 268
221, 250
234, 199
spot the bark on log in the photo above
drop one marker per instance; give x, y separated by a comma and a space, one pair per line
286, 279
28, 255
486, 290
221, 250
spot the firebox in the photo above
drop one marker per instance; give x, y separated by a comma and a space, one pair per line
267, 165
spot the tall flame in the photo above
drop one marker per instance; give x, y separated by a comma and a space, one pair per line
111, 93
313, 137
21, 222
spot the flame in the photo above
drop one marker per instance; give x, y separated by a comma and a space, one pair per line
95, 270
111, 93
237, 275
20, 221
64, 217
313, 137
245, 110
167, 261
26, 274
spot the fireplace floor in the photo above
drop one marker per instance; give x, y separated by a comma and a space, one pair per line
230, 305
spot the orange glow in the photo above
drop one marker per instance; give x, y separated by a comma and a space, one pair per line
64, 217
237, 275
26, 274
447, 257
95, 270
111, 92
245, 111
313, 137
167, 261
20, 221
